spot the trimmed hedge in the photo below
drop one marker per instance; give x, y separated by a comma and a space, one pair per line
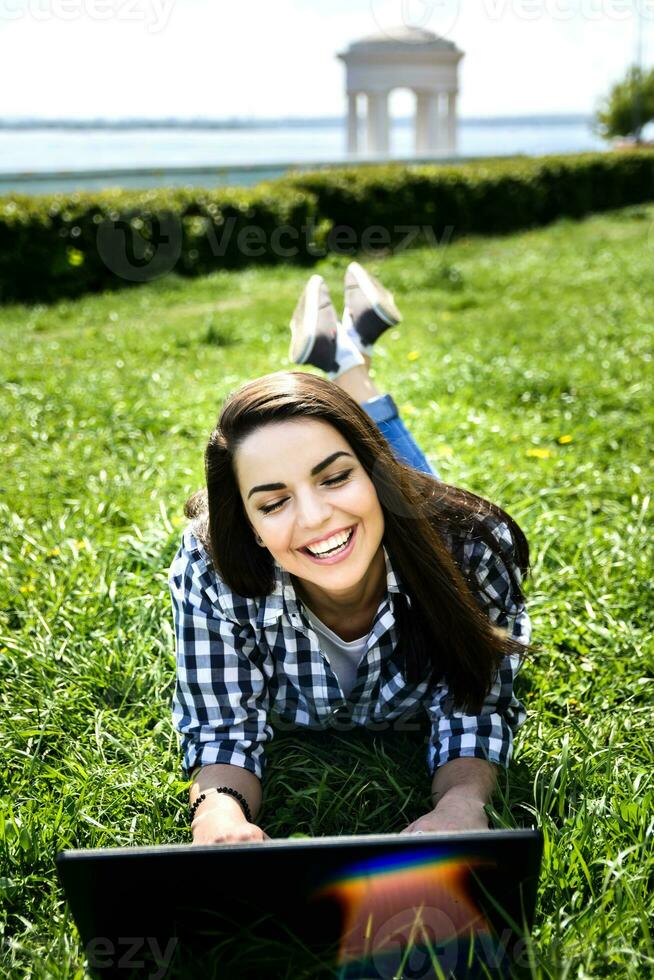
487, 197
65, 245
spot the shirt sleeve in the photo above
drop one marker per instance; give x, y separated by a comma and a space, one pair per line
220, 704
489, 734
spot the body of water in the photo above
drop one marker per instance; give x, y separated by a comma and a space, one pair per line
45, 160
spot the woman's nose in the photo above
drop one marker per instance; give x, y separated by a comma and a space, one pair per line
312, 510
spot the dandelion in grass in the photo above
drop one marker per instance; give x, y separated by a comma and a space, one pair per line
75, 257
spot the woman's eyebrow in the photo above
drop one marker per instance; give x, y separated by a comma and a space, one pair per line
314, 472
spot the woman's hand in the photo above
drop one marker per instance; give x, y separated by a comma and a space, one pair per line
220, 820
453, 812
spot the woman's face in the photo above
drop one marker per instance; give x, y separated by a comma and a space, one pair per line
301, 486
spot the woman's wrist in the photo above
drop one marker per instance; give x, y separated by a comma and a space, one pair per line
219, 803
465, 794
464, 779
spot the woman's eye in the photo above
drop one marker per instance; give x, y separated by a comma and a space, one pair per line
332, 482
271, 507
338, 479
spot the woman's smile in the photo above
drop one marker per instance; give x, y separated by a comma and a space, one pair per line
337, 547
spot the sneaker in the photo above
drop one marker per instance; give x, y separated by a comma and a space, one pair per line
314, 326
371, 307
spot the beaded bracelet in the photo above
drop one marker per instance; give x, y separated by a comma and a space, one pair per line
231, 792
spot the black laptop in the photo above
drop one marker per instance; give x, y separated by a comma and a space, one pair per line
349, 908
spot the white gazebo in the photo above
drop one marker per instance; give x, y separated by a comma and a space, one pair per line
407, 57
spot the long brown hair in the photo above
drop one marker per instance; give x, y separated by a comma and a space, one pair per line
445, 630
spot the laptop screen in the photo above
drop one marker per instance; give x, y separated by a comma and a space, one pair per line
353, 908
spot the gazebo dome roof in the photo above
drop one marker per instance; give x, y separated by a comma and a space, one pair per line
401, 37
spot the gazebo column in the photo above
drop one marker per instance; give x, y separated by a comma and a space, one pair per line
451, 127
378, 124
352, 123
427, 121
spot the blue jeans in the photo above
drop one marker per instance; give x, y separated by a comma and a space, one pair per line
383, 411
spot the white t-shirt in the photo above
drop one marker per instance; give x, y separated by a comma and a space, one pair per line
344, 657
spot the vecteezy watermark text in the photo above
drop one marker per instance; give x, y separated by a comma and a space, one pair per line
155, 14
442, 16
138, 253
286, 241
591, 10
127, 954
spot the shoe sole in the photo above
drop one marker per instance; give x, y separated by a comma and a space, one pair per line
314, 326
377, 295
303, 333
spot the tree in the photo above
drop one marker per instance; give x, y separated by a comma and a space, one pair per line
628, 107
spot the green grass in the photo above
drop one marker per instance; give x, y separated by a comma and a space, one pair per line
524, 368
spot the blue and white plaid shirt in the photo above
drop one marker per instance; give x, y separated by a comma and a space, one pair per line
246, 664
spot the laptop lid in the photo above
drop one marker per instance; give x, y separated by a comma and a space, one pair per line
353, 908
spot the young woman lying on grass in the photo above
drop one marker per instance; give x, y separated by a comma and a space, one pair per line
329, 577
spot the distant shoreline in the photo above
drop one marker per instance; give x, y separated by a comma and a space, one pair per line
292, 123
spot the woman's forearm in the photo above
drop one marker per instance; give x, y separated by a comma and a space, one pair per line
471, 778
242, 780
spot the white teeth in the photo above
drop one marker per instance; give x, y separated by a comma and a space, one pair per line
335, 541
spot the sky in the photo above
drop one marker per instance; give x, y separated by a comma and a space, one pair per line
272, 58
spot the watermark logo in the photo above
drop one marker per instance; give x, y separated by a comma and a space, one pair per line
397, 18
411, 939
442, 16
154, 14
131, 953
424, 943
140, 250
340, 721
142, 247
